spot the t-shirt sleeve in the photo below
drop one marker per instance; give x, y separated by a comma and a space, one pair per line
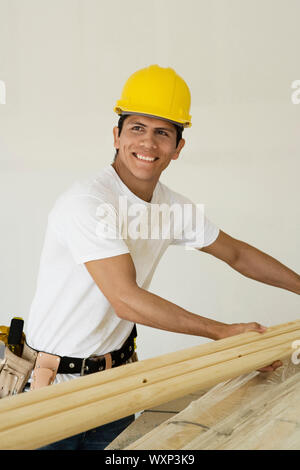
195, 229
89, 228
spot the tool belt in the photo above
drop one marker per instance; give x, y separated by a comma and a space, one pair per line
15, 371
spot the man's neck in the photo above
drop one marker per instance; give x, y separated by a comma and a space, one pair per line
142, 189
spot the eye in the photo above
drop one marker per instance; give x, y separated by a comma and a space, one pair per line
161, 132
137, 128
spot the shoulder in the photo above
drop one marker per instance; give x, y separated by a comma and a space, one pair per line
87, 193
101, 185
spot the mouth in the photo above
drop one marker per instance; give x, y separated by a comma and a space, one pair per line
144, 158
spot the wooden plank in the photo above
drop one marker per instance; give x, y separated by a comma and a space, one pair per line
83, 383
39, 422
26, 414
19, 416
151, 419
253, 411
270, 421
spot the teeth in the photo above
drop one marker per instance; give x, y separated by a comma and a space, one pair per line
142, 157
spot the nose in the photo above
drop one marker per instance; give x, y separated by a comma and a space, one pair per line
148, 141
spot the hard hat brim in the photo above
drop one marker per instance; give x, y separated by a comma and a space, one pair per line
123, 111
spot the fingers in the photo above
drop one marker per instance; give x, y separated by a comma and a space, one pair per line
254, 326
271, 367
261, 329
238, 328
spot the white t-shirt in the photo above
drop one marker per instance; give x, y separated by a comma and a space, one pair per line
69, 315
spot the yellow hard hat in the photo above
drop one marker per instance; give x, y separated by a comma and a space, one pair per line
158, 92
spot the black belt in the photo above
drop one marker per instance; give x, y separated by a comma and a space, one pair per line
76, 365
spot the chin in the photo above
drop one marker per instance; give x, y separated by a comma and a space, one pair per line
144, 175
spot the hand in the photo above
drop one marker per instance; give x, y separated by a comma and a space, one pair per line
238, 328
271, 367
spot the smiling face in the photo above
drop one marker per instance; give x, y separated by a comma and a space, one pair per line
146, 146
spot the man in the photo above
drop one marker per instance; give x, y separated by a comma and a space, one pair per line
95, 272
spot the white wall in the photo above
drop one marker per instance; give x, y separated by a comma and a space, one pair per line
64, 63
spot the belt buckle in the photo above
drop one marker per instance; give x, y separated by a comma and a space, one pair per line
82, 367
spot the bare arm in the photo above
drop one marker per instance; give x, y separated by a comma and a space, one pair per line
116, 278
253, 263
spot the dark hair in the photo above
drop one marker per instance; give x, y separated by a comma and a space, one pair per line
122, 118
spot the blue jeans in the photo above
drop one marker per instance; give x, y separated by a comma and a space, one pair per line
94, 439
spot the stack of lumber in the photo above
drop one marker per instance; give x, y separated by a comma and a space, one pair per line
252, 412
32, 420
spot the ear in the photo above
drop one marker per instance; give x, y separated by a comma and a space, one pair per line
180, 146
116, 137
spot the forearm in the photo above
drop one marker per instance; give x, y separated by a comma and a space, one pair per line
259, 266
143, 307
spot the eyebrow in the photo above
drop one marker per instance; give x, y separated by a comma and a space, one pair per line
168, 129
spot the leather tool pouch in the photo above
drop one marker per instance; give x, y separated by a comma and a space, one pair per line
45, 370
14, 373
133, 358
